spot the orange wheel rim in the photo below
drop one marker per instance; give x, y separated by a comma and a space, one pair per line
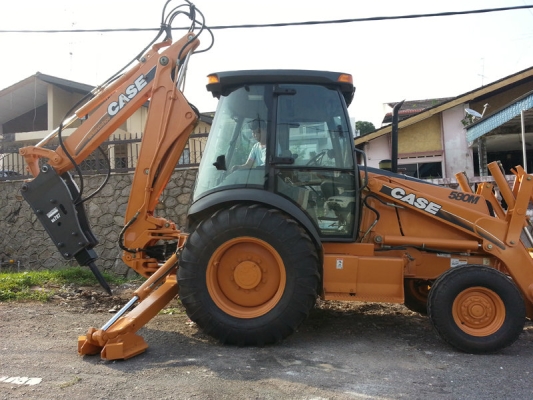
478, 311
246, 277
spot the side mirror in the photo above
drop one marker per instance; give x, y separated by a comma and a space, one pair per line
220, 163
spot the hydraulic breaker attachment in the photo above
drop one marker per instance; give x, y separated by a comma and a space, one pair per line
117, 338
52, 198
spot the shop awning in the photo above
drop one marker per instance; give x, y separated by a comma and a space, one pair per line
500, 117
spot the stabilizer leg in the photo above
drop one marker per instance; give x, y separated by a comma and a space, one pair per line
117, 338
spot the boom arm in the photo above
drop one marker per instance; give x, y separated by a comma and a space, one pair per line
56, 199
170, 121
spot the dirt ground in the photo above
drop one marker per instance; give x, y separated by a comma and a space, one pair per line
343, 351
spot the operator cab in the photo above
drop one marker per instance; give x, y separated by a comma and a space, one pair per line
284, 133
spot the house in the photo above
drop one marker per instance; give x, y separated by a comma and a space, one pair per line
450, 137
35, 106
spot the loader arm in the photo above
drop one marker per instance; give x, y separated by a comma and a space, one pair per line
497, 235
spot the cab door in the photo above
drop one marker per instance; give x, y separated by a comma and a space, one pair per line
313, 159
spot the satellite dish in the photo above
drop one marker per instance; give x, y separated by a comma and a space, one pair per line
473, 113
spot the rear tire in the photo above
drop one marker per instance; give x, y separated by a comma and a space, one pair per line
416, 295
476, 309
248, 275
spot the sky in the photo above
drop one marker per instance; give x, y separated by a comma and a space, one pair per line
390, 61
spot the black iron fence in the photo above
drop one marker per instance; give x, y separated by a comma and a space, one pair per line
121, 154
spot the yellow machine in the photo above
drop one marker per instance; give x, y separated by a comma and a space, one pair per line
284, 210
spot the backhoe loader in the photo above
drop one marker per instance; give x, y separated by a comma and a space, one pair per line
284, 210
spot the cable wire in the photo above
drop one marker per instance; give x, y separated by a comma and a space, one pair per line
278, 24
164, 28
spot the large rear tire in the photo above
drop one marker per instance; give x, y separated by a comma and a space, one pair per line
476, 309
248, 275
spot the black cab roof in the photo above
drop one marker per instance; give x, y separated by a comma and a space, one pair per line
222, 83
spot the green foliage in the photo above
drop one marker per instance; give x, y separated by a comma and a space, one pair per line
82, 276
364, 127
29, 285
14, 286
172, 310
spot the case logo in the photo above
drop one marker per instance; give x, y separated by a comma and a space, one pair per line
130, 92
419, 202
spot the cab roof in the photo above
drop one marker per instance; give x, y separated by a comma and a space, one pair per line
230, 80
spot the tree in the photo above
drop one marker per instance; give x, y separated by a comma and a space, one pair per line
364, 127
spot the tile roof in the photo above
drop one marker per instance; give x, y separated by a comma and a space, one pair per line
412, 107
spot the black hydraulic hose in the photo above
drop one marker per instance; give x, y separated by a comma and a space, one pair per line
123, 231
108, 175
372, 208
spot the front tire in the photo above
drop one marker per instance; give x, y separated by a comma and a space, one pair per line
248, 275
476, 309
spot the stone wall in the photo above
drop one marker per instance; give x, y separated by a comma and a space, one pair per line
24, 240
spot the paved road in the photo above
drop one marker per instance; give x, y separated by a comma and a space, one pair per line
370, 352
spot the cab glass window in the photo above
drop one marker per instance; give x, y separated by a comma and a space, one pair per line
232, 142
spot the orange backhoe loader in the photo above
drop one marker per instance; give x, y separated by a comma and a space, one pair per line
283, 212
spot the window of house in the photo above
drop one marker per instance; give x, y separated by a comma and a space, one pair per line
185, 157
422, 170
121, 156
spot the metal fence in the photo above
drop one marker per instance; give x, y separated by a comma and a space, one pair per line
121, 153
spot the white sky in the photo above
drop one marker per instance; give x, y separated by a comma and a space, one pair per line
390, 60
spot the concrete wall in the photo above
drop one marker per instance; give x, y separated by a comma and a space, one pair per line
22, 237
377, 150
59, 103
424, 136
457, 156
421, 139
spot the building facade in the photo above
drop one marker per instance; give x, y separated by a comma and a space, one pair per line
37, 105
433, 143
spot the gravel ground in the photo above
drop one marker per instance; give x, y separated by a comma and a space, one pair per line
343, 351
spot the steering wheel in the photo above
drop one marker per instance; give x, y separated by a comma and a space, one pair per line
316, 159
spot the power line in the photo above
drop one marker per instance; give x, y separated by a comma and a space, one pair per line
279, 24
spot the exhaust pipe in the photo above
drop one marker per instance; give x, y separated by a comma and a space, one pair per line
394, 137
